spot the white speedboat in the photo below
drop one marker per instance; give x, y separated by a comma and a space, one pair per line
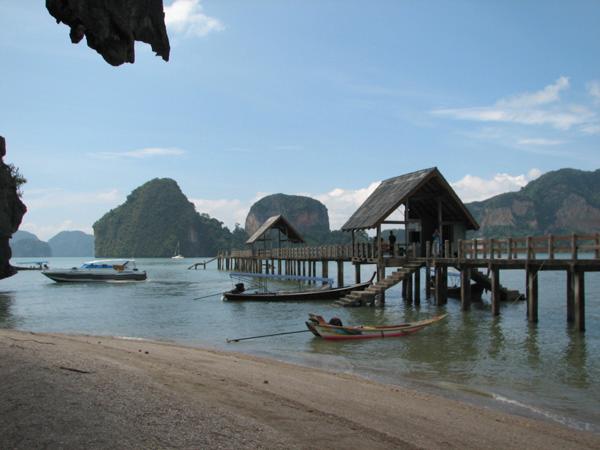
100, 270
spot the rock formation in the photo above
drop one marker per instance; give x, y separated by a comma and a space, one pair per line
156, 221
307, 215
12, 210
559, 202
111, 27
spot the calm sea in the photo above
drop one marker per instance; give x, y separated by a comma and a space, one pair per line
546, 370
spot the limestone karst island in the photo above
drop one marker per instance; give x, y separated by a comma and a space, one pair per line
303, 225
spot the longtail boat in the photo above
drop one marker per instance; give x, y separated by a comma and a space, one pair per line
321, 328
327, 293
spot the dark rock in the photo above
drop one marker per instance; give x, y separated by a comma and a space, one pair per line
111, 27
12, 210
307, 215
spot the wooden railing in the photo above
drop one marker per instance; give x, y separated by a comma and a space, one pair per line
362, 250
531, 247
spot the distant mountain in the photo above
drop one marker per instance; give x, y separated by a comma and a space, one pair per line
26, 244
21, 234
559, 202
72, 243
155, 220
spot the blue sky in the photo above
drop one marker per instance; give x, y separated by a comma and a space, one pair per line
324, 98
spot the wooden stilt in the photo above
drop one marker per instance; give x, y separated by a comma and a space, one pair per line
340, 273
495, 275
532, 295
325, 269
439, 288
427, 281
465, 289
409, 288
357, 273
579, 297
570, 296
417, 295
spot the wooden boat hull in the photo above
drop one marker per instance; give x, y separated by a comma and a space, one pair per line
325, 294
320, 328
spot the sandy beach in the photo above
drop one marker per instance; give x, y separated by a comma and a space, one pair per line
99, 392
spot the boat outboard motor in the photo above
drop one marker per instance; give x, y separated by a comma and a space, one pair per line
239, 288
335, 321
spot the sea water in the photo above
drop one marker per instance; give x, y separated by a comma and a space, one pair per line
546, 370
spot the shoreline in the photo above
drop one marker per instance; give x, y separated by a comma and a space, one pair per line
76, 390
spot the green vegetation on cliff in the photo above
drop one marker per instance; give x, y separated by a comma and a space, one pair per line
155, 220
559, 202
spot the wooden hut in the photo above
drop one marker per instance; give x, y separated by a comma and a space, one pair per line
275, 232
429, 203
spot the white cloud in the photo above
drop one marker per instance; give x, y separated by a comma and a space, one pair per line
594, 90
148, 152
229, 211
537, 108
591, 128
341, 203
47, 231
187, 17
540, 141
473, 188
54, 198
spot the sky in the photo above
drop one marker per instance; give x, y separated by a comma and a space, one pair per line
321, 98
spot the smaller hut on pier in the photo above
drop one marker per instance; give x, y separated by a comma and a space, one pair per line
429, 203
276, 232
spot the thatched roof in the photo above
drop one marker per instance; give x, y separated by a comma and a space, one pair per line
276, 223
422, 189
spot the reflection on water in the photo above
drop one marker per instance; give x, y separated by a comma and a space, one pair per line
6, 319
547, 367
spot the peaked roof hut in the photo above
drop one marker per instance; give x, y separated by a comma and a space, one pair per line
285, 233
430, 203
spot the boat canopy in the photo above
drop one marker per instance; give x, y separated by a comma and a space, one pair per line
274, 277
106, 263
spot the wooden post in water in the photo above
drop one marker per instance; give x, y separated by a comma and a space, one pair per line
570, 295
325, 269
279, 266
495, 275
409, 288
465, 288
427, 270
440, 298
340, 273
356, 273
417, 295
579, 294
532, 294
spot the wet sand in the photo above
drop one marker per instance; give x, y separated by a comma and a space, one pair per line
99, 392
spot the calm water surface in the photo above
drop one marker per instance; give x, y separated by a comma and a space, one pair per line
545, 370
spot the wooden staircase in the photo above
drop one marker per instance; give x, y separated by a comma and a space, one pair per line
369, 295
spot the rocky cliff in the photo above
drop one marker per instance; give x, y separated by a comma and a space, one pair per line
307, 215
111, 27
559, 202
12, 210
156, 221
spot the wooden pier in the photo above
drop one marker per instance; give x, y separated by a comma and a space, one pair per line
574, 254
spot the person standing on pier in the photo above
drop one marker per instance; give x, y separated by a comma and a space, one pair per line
436, 239
392, 240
